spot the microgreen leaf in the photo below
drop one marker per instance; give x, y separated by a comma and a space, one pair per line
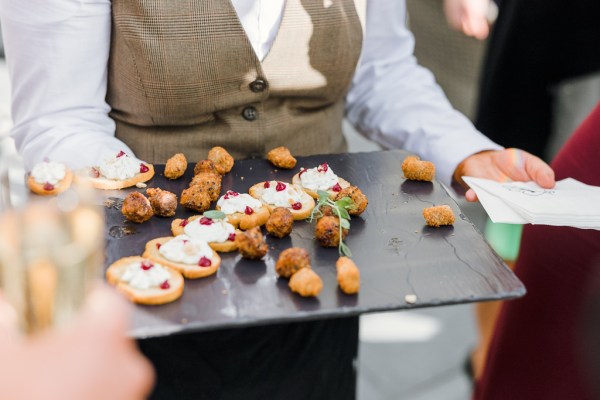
214, 214
345, 202
322, 195
344, 249
345, 223
344, 214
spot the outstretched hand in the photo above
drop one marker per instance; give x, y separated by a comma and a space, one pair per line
504, 165
468, 16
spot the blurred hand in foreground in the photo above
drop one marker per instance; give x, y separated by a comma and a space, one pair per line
468, 16
504, 165
91, 360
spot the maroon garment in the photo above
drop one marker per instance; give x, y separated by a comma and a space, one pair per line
535, 351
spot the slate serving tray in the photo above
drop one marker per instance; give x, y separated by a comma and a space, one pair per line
397, 254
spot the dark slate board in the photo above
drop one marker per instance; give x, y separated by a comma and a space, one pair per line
396, 253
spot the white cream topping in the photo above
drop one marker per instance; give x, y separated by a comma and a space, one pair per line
49, 172
231, 203
319, 178
140, 278
284, 198
119, 167
218, 231
184, 249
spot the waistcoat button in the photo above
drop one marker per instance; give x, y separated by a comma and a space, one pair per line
249, 113
258, 86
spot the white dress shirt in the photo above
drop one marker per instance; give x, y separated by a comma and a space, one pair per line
57, 54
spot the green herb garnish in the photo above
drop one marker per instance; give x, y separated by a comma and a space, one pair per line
340, 207
214, 214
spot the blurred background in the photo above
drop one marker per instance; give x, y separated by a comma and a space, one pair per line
420, 354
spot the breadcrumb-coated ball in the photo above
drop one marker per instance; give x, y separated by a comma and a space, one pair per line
205, 166
136, 208
348, 275
175, 166
306, 283
251, 244
210, 182
164, 203
327, 231
195, 198
417, 170
291, 261
358, 198
326, 210
280, 222
281, 158
438, 216
222, 159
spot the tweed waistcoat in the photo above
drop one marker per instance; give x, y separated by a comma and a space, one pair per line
183, 77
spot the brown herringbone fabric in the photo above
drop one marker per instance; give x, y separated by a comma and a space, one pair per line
179, 76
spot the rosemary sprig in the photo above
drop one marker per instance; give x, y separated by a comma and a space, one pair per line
340, 207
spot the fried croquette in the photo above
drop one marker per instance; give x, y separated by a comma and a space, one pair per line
291, 261
164, 203
306, 283
438, 216
417, 170
222, 160
327, 231
280, 222
136, 208
348, 275
175, 166
326, 210
359, 200
251, 244
205, 166
281, 158
195, 198
209, 182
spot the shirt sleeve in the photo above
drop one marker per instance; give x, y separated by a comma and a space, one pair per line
57, 56
397, 103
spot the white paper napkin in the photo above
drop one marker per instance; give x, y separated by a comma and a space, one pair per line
569, 203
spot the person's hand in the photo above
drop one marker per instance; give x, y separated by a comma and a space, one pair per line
468, 16
504, 165
91, 360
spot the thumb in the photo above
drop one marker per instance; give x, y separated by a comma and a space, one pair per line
539, 171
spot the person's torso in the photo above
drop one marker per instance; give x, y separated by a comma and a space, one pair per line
183, 77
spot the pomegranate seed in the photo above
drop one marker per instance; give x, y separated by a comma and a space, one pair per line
165, 285
280, 186
94, 172
185, 241
143, 168
146, 265
205, 262
158, 246
231, 237
297, 206
323, 167
206, 221
48, 186
184, 222
337, 187
121, 154
267, 185
249, 210
303, 170
230, 194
